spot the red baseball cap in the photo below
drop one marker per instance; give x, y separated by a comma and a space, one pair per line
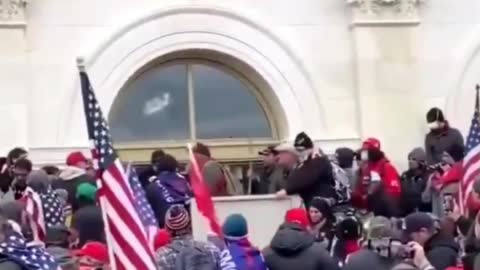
298, 216
75, 158
94, 250
371, 144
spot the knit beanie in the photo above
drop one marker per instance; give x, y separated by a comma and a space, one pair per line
235, 226
302, 142
86, 191
297, 216
177, 221
323, 207
418, 154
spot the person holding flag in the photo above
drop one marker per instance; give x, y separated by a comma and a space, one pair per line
126, 226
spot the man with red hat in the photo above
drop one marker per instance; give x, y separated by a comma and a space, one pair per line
76, 173
379, 187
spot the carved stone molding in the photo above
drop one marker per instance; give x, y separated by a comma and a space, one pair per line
12, 12
384, 12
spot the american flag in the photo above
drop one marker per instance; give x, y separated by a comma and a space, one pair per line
29, 257
34, 210
52, 209
126, 234
471, 162
144, 208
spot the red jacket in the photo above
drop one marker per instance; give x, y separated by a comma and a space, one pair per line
388, 175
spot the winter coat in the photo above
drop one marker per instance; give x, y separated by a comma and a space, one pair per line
383, 197
166, 256
269, 180
366, 259
442, 251
213, 174
413, 184
312, 178
70, 179
169, 188
293, 247
88, 222
437, 142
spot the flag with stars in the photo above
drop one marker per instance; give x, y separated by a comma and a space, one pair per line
35, 215
471, 162
144, 208
15, 249
52, 209
126, 235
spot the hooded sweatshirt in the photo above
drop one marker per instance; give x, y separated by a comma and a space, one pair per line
169, 188
70, 178
293, 247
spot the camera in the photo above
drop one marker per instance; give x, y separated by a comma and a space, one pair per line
390, 248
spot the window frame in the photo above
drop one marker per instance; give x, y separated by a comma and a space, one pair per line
239, 149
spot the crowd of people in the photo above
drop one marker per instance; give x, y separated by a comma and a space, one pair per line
359, 212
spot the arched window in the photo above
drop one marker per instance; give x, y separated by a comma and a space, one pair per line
187, 100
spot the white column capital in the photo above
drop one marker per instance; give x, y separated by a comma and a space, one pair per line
384, 12
12, 13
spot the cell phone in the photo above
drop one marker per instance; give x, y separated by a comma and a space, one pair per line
448, 202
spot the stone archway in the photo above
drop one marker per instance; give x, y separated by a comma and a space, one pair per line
202, 28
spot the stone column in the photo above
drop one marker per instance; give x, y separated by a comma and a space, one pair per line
386, 50
14, 76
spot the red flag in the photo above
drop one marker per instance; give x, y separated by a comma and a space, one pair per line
202, 195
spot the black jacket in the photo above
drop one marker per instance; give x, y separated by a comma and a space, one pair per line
365, 259
88, 222
413, 185
293, 247
442, 251
313, 178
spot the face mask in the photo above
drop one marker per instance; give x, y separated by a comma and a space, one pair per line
364, 155
433, 125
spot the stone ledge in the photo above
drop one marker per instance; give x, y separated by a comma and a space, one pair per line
384, 12
12, 13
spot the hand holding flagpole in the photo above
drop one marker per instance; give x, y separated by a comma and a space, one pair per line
202, 194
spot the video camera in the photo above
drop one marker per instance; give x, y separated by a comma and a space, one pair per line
389, 248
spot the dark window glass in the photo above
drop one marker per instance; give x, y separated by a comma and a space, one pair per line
225, 107
153, 107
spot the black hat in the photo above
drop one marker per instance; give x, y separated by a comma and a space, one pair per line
303, 142
416, 221
345, 157
435, 114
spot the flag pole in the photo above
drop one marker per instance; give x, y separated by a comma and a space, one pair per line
101, 199
81, 64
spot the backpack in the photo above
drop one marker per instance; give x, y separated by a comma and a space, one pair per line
342, 184
193, 257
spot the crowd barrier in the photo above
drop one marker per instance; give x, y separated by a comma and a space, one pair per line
264, 214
